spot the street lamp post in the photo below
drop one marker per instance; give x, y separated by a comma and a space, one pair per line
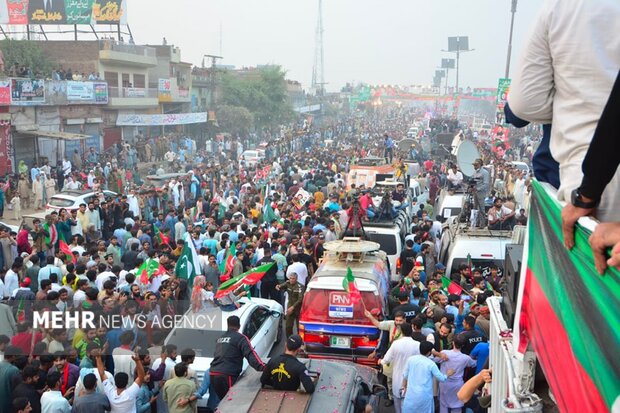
513, 10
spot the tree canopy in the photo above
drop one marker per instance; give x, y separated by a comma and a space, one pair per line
25, 53
234, 119
263, 94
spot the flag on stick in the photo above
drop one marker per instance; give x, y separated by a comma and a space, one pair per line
247, 278
348, 283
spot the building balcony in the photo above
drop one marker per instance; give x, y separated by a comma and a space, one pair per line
132, 98
111, 52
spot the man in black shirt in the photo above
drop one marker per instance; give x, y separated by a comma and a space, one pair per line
285, 372
472, 336
230, 350
269, 281
26, 388
410, 310
407, 258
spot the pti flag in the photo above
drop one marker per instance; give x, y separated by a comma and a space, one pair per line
348, 283
159, 237
148, 269
569, 313
188, 265
450, 286
247, 278
226, 266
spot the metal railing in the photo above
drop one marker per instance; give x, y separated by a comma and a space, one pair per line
127, 48
132, 92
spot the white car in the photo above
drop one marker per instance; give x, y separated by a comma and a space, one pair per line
252, 157
12, 228
261, 322
71, 200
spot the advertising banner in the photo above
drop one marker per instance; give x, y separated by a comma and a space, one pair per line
27, 92
110, 12
80, 91
22, 12
79, 11
100, 94
133, 92
161, 120
14, 12
6, 155
503, 87
164, 90
5, 92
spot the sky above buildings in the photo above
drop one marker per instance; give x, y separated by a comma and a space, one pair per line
371, 41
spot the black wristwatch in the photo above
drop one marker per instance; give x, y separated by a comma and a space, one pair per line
577, 200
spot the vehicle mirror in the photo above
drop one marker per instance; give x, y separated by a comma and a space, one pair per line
379, 390
275, 314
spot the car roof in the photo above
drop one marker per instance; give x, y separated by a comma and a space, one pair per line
334, 388
332, 280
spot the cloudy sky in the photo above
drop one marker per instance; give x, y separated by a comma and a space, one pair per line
378, 42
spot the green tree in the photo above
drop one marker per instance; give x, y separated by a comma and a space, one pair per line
234, 119
25, 53
263, 94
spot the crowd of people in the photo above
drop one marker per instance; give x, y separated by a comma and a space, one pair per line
93, 259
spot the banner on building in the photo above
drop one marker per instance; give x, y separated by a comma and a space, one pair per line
5, 92
6, 154
27, 92
87, 92
165, 90
161, 120
22, 12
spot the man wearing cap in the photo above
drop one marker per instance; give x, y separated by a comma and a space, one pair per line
295, 296
482, 180
286, 372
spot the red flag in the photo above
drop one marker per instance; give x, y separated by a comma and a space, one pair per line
160, 237
247, 278
65, 248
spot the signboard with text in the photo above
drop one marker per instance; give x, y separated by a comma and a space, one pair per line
22, 12
27, 92
165, 90
340, 305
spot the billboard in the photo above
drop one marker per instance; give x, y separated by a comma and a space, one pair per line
164, 90
87, 92
22, 12
26, 92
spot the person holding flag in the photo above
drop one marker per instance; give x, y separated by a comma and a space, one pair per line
188, 264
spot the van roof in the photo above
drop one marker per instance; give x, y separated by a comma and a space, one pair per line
333, 281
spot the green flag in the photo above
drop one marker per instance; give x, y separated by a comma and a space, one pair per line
187, 265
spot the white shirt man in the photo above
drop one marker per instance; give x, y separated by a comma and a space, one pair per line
570, 57
397, 356
11, 283
66, 167
300, 269
455, 177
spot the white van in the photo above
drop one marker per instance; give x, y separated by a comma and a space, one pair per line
390, 238
449, 204
484, 247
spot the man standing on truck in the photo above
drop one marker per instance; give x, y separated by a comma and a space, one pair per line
285, 372
230, 350
389, 148
482, 183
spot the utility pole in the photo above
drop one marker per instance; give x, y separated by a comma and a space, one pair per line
318, 74
212, 73
513, 10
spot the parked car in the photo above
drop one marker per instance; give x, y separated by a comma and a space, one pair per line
357, 388
252, 157
261, 322
72, 199
12, 228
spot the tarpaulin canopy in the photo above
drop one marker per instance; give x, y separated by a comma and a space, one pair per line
569, 313
66, 136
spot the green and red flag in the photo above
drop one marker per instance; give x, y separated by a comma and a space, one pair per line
227, 265
246, 279
348, 283
568, 312
148, 269
160, 237
451, 286
62, 245
21, 312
